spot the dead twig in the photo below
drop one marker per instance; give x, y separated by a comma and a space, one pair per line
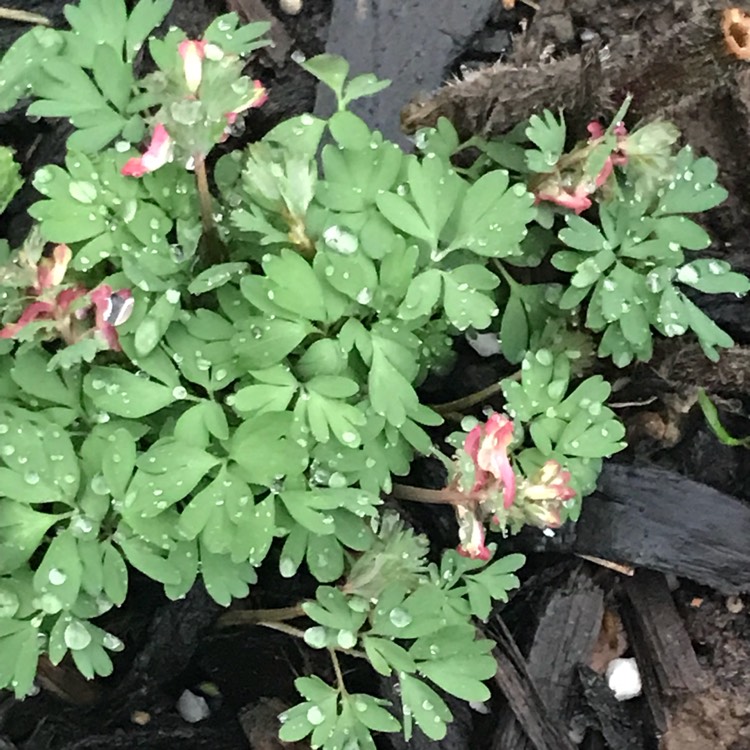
24, 16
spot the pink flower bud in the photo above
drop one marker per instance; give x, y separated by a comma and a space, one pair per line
159, 152
51, 271
192, 53
111, 309
487, 445
551, 482
257, 98
472, 535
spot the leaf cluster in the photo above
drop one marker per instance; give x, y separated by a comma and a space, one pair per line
267, 394
419, 633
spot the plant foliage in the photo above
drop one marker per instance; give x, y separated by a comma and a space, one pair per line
189, 379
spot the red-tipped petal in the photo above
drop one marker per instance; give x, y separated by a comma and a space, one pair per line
596, 129
32, 312
66, 298
159, 150
578, 201
134, 167
472, 535
157, 154
257, 99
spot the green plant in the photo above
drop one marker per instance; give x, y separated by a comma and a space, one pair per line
10, 178
711, 414
192, 377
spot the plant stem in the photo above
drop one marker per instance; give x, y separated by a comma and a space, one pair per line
423, 495
337, 670
508, 278
260, 616
24, 16
465, 402
282, 627
214, 249
273, 621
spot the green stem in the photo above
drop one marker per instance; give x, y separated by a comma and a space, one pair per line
337, 670
472, 399
273, 619
214, 249
24, 16
512, 283
260, 616
423, 495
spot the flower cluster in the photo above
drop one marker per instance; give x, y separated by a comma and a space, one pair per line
497, 495
160, 149
570, 186
67, 310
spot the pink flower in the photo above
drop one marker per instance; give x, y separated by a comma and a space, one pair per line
576, 196
110, 310
551, 482
159, 152
50, 271
257, 98
57, 311
545, 515
49, 305
472, 535
192, 53
487, 445
578, 200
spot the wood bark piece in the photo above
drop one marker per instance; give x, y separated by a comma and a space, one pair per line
410, 42
512, 677
564, 639
657, 715
613, 720
658, 519
671, 651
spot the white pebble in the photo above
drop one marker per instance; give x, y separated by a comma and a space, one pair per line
624, 679
193, 708
291, 7
484, 344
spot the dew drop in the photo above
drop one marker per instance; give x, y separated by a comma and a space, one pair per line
337, 480
400, 618
57, 577
112, 642
315, 716
340, 240
76, 636
287, 567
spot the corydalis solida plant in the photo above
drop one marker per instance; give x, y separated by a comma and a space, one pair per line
268, 394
